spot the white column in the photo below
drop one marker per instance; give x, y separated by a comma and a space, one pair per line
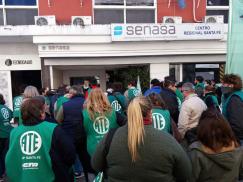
159, 71
6, 87
51, 77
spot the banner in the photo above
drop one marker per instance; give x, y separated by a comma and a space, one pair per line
234, 62
184, 31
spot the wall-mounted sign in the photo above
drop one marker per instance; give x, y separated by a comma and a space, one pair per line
20, 62
148, 32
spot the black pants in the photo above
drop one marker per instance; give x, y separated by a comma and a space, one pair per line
3, 151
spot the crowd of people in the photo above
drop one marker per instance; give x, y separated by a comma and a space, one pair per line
172, 132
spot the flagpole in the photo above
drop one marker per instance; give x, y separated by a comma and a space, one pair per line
227, 67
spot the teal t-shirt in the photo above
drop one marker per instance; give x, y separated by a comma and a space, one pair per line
5, 117
28, 157
17, 101
132, 93
161, 119
97, 128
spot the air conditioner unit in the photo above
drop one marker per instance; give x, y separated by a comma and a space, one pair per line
214, 19
81, 20
45, 20
172, 19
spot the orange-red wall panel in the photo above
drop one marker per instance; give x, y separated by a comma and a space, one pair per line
64, 9
186, 13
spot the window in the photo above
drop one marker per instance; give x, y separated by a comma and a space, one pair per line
1, 2
140, 16
21, 2
139, 2
219, 12
218, 2
21, 16
218, 7
124, 11
109, 2
1, 17
108, 16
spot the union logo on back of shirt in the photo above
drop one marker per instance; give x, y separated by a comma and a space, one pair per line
30, 142
5, 113
158, 121
101, 125
115, 105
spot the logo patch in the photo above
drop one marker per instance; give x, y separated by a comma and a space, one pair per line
135, 92
101, 125
5, 113
30, 142
158, 121
117, 30
115, 105
18, 102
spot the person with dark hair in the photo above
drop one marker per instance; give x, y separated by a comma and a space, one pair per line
216, 155
199, 86
171, 101
61, 99
132, 91
210, 98
38, 150
160, 114
117, 100
155, 87
232, 103
5, 128
145, 153
86, 88
171, 84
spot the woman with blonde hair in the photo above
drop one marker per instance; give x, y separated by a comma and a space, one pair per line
98, 118
29, 92
138, 152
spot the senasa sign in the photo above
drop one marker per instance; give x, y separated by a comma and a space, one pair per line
147, 32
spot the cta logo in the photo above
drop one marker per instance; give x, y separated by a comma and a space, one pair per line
30, 142
5, 113
115, 105
118, 30
158, 121
101, 125
8, 62
31, 165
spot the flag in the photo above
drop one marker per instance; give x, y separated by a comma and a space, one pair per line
139, 85
182, 4
234, 63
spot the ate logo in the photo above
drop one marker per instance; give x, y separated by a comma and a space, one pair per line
101, 125
18, 101
30, 142
115, 105
5, 113
135, 92
158, 121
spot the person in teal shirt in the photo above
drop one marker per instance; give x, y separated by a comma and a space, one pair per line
5, 128
38, 150
132, 91
98, 118
160, 115
199, 86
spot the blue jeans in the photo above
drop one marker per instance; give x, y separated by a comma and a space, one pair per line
77, 166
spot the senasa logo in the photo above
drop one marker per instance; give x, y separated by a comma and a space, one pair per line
30, 142
118, 30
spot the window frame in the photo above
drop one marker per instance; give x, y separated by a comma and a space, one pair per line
124, 7
5, 7
217, 8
